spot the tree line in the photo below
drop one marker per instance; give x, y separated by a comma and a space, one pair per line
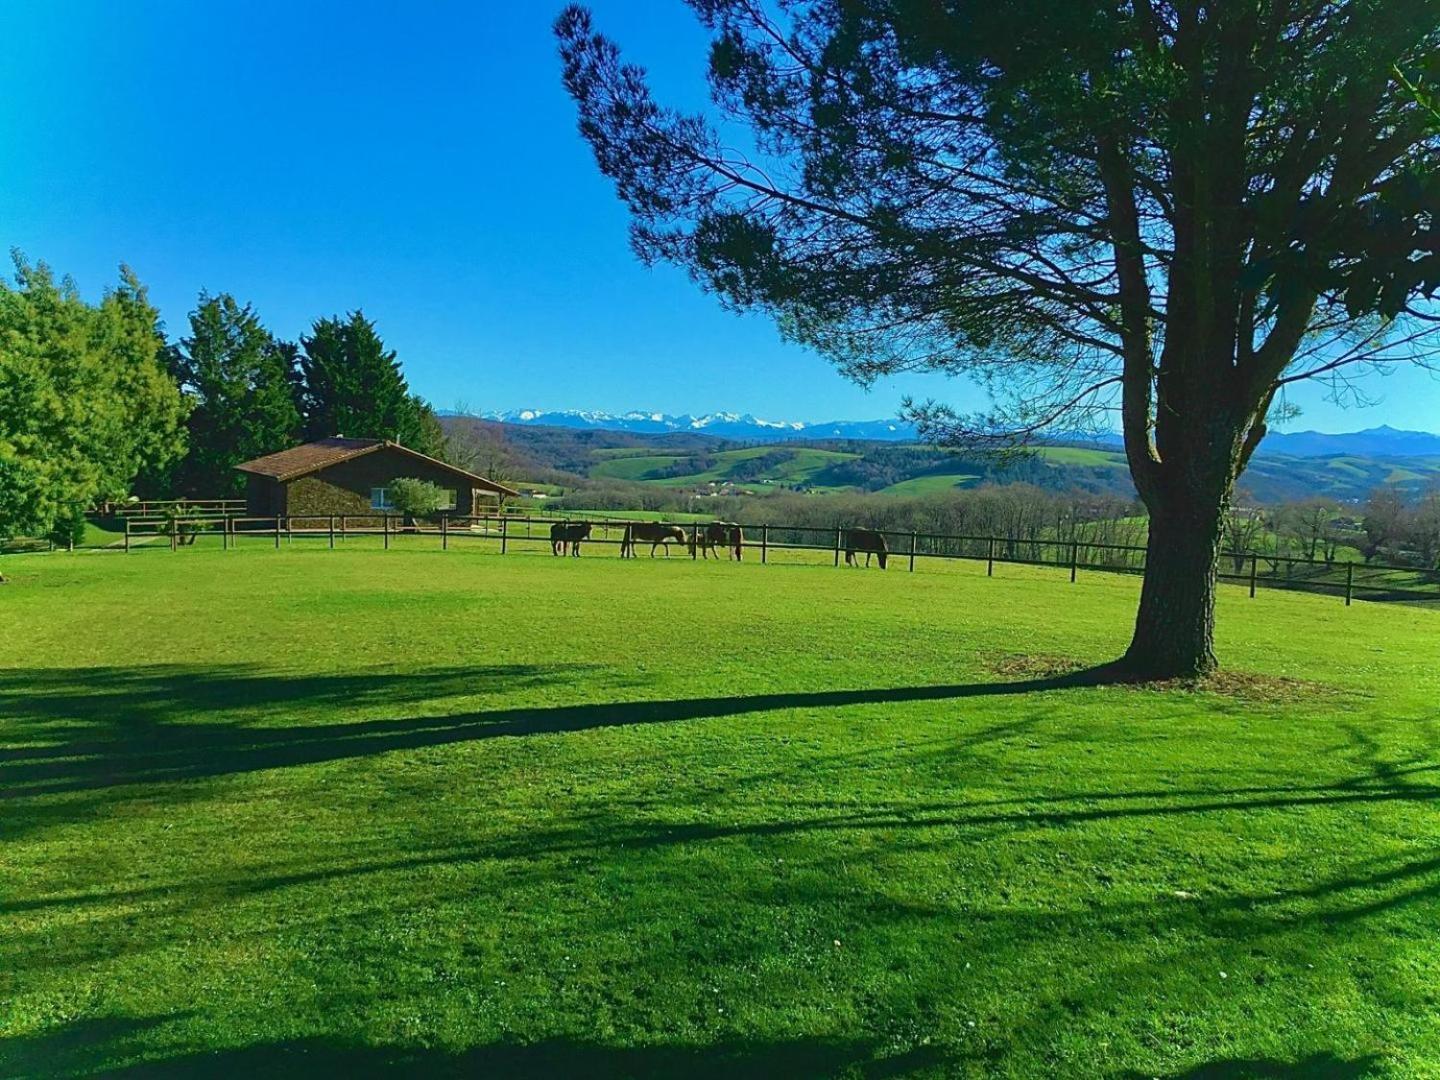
96, 403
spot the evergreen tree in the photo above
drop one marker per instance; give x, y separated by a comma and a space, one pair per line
354, 386
239, 378
85, 401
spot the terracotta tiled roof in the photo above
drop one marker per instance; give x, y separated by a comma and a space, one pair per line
313, 456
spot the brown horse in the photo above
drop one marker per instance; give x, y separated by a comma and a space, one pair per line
867, 540
654, 531
708, 537
568, 532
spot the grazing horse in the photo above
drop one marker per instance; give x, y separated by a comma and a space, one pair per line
567, 532
708, 537
867, 540
655, 532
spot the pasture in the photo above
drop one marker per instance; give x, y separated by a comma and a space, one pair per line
798, 465
313, 812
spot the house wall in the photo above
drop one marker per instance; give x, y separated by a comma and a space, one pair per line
344, 488
264, 497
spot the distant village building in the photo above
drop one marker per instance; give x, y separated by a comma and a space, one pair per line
352, 476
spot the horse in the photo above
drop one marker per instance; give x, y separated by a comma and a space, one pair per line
568, 532
707, 537
867, 540
654, 531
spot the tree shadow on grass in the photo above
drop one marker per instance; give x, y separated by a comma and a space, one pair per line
100, 1047
154, 737
1322, 1066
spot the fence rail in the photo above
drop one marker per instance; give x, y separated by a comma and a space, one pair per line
165, 507
1346, 580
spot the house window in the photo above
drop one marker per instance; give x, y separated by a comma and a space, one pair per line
380, 499
447, 499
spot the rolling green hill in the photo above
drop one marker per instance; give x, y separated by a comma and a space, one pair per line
706, 464
753, 467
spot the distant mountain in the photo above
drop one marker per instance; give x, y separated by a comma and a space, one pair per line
742, 427
1383, 441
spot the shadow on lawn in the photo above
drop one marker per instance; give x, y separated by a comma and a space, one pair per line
91, 1047
1314, 1067
138, 730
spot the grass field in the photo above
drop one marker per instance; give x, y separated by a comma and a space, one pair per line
311, 813
802, 464
1082, 455
929, 485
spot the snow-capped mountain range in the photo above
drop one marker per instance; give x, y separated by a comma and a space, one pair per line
1383, 441
726, 425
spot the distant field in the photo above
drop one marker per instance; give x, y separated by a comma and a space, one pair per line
799, 467
342, 813
1079, 455
633, 466
929, 485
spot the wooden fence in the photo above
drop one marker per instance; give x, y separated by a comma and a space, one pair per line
774, 542
164, 507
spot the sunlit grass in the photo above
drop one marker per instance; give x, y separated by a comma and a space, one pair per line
309, 811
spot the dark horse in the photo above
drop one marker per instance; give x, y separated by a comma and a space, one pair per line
653, 531
867, 540
567, 532
727, 533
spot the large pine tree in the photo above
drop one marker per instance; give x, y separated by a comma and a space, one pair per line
239, 378
354, 386
1162, 211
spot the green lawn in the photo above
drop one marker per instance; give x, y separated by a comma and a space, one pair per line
337, 813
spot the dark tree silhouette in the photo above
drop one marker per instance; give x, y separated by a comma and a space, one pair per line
354, 386
1169, 210
241, 383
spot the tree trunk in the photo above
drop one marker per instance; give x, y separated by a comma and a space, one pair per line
1175, 627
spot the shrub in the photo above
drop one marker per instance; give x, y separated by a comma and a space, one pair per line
417, 498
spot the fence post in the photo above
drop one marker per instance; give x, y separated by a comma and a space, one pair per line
1254, 570
837, 547
694, 538
174, 529
1349, 582
277, 532
764, 542
444, 532
385, 529
225, 532
332, 532
990, 560
504, 533
912, 551
127, 533
1074, 559
342, 527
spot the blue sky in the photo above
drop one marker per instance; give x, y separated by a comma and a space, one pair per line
418, 161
